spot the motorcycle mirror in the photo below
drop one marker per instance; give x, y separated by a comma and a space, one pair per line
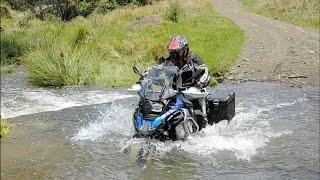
136, 70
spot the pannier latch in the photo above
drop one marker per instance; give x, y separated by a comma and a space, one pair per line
216, 104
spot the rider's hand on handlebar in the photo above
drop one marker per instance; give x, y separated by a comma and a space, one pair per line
200, 85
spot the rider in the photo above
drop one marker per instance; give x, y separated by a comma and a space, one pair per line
189, 65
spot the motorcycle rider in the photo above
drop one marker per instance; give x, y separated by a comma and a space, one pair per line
190, 65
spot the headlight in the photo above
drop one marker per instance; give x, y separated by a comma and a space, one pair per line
145, 128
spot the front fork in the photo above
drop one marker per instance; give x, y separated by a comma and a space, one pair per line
204, 108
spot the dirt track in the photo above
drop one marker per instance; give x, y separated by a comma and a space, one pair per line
275, 51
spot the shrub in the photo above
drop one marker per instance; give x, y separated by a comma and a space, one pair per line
107, 5
174, 11
124, 2
85, 8
60, 67
4, 12
17, 5
142, 2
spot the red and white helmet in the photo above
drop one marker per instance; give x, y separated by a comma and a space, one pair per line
178, 48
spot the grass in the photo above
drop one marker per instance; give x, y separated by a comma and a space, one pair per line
300, 12
58, 66
101, 49
5, 128
12, 48
13, 43
6, 67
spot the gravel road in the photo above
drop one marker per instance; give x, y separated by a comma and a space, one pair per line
275, 51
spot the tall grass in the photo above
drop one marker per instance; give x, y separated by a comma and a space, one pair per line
301, 12
13, 46
174, 11
6, 67
61, 66
101, 49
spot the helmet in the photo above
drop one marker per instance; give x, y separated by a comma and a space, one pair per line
178, 48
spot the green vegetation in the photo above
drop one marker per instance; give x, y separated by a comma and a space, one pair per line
5, 128
300, 12
4, 11
69, 9
174, 11
60, 67
13, 46
102, 48
7, 68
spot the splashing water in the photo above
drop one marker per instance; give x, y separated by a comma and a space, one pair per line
117, 120
249, 131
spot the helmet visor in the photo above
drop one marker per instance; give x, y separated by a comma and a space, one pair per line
177, 54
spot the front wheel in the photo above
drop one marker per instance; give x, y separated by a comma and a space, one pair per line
185, 128
191, 126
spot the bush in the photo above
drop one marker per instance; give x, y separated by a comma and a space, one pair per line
4, 12
174, 11
142, 2
18, 5
60, 67
124, 2
107, 5
85, 8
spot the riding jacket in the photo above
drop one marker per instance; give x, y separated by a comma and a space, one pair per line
186, 74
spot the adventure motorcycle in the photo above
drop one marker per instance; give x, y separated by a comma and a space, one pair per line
167, 114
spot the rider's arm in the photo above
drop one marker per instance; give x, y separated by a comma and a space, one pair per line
205, 78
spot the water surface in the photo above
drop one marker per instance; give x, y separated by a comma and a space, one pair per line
86, 133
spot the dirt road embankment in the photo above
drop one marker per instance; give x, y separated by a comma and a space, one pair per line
275, 51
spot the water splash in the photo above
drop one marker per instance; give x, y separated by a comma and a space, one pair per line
116, 120
244, 135
249, 131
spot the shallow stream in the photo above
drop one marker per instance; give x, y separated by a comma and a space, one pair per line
86, 133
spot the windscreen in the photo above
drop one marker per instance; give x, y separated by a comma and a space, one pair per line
157, 80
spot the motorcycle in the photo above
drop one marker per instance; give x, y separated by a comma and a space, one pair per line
167, 113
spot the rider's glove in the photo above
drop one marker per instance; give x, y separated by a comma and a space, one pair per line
200, 85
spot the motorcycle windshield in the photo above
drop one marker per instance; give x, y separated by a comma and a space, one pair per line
158, 80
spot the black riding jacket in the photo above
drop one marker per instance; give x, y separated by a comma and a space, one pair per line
188, 71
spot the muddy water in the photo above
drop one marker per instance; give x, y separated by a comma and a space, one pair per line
82, 133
